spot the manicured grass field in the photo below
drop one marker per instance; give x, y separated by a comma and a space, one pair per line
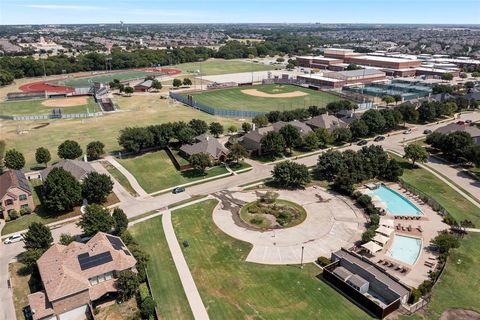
220, 66
167, 289
234, 289
35, 107
235, 99
105, 78
145, 110
154, 171
119, 177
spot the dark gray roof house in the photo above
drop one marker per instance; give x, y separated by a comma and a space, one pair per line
78, 169
326, 121
206, 144
473, 130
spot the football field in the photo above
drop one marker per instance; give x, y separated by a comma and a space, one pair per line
264, 98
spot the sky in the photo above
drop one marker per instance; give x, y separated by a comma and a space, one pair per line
239, 11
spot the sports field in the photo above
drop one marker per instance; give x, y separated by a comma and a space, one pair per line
41, 107
220, 66
264, 98
105, 78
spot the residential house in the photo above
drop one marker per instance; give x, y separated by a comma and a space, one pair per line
15, 192
473, 130
326, 121
77, 276
78, 169
205, 143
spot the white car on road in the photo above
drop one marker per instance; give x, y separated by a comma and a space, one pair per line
14, 238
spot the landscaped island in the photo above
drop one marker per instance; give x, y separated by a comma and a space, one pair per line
270, 212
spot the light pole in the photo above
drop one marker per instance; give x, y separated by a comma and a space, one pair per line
301, 262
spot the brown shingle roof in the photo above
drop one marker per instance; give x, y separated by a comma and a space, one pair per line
40, 305
62, 274
13, 179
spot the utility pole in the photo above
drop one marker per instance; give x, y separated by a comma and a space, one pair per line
301, 262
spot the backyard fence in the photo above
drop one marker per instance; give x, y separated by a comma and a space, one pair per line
213, 111
157, 316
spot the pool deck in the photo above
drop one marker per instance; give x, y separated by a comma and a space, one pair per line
430, 224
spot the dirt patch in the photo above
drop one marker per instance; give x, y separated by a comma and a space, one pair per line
65, 102
256, 93
460, 314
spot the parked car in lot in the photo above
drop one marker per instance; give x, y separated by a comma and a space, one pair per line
178, 190
379, 138
427, 131
408, 131
13, 239
362, 142
460, 122
468, 121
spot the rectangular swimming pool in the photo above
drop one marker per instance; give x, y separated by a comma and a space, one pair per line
405, 249
396, 204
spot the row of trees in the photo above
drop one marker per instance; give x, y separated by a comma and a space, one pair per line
135, 139
457, 146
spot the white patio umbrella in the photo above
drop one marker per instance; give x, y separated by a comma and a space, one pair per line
372, 247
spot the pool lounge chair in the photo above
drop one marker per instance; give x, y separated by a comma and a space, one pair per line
409, 228
419, 228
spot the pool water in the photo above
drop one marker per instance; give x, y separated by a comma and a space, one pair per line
405, 249
396, 204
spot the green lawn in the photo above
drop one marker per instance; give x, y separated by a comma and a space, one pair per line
234, 289
35, 107
167, 289
220, 66
105, 78
154, 171
235, 99
119, 177
456, 204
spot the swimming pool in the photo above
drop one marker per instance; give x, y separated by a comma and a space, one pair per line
405, 249
396, 204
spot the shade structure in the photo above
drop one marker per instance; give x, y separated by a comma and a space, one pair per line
387, 222
372, 247
381, 239
384, 230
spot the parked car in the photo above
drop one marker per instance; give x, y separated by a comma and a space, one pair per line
460, 122
468, 121
14, 238
178, 190
362, 142
379, 138
408, 131
427, 131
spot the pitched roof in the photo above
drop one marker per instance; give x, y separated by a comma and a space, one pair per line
207, 144
326, 121
13, 179
79, 169
40, 305
474, 131
61, 266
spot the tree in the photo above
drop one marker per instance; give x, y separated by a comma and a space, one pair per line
38, 236
344, 182
391, 117
127, 284
30, 258
61, 190
187, 82
246, 127
324, 136
398, 98
291, 175
374, 121
177, 83
185, 135
409, 112
310, 141
6, 77
329, 164
200, 161
14, 159
368, 235
341, 135
95, 150
42, 155
120, 221
69, 149
134, 139
358, 128
315, 111
446, 241
66, 239
216, 129
260, 121
353, 66
415, 152
337, 106
237, 152
96, 187
388, 99
272, 143
147, 308
232, 129
392, 171
447, 76
128, 90
427, 112
157, 85
199, 126
291, 136
96, 219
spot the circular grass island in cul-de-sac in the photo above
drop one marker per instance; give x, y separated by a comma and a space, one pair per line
268, 212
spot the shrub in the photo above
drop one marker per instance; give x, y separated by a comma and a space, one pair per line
256, 220
323, 261
415, 296
450, 220
374, 219
13, 214
147, 308
371, 210
143, 291
364, 200
25, 210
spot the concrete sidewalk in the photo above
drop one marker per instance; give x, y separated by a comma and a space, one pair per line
133, 182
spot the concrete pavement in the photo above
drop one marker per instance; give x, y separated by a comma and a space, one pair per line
131, 179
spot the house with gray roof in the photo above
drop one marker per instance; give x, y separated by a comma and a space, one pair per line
473, 130
15, 192
205, 143
326, 121
78, 169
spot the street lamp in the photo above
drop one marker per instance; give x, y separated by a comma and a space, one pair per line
301, 262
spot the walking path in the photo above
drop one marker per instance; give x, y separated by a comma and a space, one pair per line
131, 179
121, 193
193, 296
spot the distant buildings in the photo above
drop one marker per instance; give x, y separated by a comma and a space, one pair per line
342, 78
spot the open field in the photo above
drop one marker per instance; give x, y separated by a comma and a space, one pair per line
135, 111
167, 290
220, 66
244, 98
234, 289
103, 77
40, 107
155, 171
